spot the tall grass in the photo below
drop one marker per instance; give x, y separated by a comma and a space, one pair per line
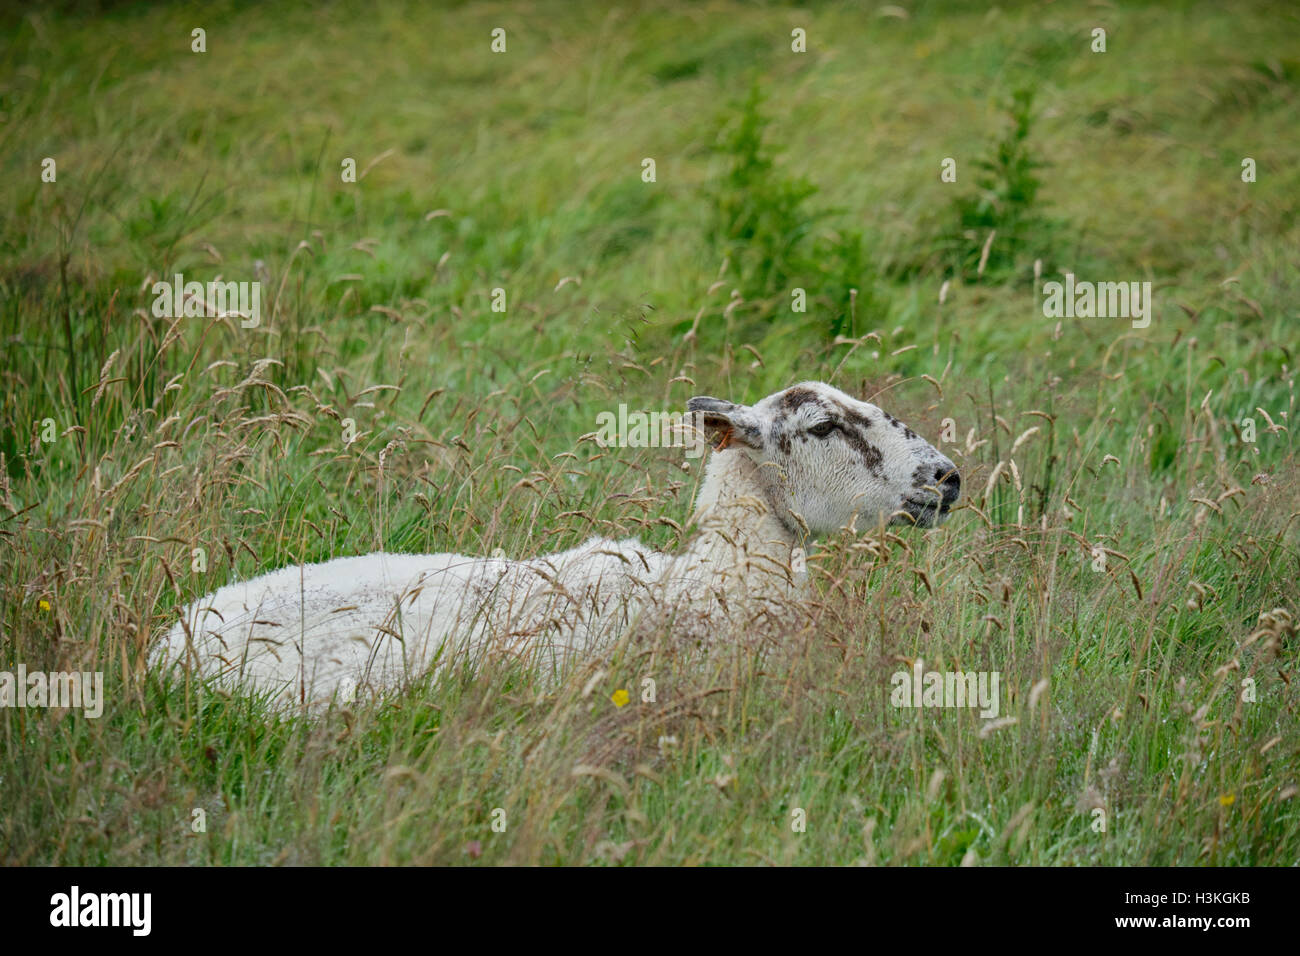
1124, 558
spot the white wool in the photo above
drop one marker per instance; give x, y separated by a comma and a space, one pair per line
314, 632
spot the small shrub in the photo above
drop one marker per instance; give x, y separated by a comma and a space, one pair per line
1006, 200
762, 223
758, 216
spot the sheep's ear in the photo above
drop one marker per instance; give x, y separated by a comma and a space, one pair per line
726, 423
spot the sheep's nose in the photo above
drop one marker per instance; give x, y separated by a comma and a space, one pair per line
948, 478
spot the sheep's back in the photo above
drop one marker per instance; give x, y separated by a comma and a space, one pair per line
312, 631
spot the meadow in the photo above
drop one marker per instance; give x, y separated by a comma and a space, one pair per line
1128, 541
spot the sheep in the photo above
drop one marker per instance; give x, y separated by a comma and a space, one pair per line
806, 461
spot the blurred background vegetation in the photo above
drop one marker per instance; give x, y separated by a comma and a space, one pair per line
775, 170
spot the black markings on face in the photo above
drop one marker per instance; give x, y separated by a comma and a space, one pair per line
855, 419
868, 452
907, 432
791, 401
854, 426
796, 398
781, 436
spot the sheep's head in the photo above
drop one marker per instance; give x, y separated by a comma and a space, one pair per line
826, 457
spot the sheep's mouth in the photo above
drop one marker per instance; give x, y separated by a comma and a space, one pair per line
927, 514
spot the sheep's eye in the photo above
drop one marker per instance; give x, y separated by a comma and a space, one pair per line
822, 429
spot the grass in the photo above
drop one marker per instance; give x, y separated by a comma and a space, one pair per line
1123, 568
